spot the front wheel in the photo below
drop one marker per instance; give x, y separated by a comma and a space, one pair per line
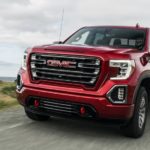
36, 117
136, 126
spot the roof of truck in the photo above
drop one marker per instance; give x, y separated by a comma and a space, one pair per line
126, 27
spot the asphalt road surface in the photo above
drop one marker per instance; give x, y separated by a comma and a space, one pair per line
17, 132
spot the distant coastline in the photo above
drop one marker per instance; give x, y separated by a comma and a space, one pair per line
8, 79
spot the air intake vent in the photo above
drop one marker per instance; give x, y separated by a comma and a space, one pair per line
54, 106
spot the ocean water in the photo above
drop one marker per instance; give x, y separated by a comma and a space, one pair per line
9, 70
10, 59
8, 79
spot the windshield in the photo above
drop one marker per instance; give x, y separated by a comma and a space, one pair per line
110, 37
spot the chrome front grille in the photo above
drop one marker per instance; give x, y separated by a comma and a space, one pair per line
64, 68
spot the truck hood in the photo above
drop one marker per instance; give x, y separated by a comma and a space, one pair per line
84, 49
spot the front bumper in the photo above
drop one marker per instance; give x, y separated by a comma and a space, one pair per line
104, 109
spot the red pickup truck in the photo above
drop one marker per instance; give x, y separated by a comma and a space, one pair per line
99, 72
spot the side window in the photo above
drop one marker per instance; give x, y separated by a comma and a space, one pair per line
98, 38
80, 40
132, 42
123, 41
112, 42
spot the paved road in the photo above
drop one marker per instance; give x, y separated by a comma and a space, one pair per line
17, 132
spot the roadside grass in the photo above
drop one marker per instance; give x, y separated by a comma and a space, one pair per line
7, 94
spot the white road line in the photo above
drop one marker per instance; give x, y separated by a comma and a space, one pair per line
11, 126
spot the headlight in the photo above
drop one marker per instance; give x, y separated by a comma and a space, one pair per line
24, 61
121, 69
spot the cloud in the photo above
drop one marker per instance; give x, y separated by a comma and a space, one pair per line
24, 23
31, 18
29, 22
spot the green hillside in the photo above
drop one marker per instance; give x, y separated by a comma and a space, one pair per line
7, 94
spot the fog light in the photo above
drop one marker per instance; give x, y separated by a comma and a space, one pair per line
121, 93
36, 103
82, 110
118, 94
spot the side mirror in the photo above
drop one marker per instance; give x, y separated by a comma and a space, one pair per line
58, 42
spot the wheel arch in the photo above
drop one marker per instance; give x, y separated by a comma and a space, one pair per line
144, 81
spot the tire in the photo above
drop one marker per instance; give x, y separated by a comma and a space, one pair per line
136, 126
36, 117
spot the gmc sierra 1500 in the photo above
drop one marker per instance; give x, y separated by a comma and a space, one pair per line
100, 72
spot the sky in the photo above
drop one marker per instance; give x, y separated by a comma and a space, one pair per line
25, 23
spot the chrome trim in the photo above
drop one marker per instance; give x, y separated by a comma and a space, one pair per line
65, 56
117, 102
85, 71
21, 83
62, 74
65, 71
129, 68
66, 80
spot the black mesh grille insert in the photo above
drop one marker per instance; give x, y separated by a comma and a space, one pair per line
60, 106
